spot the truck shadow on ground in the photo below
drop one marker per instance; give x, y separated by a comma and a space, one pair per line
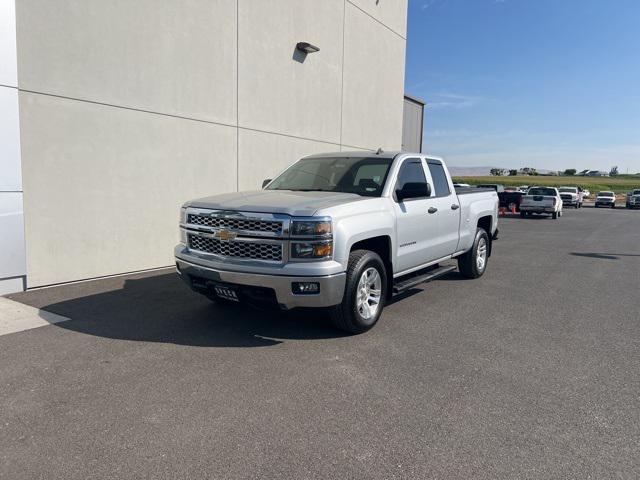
162, 309
605, 256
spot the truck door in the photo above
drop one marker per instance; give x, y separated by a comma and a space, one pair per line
416, 228
444, 199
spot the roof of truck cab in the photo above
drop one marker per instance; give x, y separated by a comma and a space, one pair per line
355, 154
368, 154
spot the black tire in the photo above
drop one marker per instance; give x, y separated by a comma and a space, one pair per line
345, 316
613, 206
523, 214
468, 263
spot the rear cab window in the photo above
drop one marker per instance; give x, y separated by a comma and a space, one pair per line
547, 192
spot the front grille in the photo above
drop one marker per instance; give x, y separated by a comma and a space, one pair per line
244, 224
566, 197
254, 250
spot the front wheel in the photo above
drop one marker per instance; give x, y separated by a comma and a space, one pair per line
473, 263
364, 294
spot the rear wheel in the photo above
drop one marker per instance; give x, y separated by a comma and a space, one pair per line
364, 295
474, 263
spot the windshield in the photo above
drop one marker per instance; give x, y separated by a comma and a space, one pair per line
362, 176
568, 190
605, 194
550, 192
636, 192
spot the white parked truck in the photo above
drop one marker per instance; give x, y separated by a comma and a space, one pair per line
606, 199
542, 200
342, 231
571, 196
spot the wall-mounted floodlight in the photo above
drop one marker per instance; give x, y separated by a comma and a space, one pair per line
307, 47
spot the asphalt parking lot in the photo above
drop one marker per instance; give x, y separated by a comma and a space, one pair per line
532, 371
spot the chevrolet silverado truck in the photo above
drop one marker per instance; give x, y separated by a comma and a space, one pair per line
342, 231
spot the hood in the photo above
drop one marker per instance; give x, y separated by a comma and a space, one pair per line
276, 201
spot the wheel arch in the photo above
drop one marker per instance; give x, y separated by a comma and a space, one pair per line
381, 245
486, 223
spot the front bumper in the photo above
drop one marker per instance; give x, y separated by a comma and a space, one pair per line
201, 278
604, 204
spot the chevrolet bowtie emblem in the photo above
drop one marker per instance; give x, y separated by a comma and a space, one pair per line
225, 235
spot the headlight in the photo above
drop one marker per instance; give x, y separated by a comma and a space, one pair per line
183, 215
311, 228
311, 250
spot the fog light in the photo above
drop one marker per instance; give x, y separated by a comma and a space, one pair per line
305, 288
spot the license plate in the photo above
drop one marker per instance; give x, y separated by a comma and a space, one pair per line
226, 292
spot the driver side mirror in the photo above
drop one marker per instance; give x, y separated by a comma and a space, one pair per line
413, 190
266, 182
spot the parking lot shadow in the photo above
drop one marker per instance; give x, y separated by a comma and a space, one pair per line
161, 308
605, 256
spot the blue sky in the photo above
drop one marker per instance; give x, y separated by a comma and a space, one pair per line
551, 84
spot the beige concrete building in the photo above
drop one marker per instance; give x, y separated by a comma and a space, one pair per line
114, 113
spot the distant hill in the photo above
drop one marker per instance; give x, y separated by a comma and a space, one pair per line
470, 171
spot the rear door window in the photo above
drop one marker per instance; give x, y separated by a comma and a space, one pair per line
439, 178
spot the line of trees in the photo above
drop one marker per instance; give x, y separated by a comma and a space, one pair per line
569, 172
501, 172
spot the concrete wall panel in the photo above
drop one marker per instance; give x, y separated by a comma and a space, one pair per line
176, 57
392, 13
10, 175
279, 89
8, 65
264, 155
103, 185
12, 255
373, 83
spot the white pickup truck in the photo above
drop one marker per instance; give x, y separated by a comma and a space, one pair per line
343, 231
540, 200
571, 196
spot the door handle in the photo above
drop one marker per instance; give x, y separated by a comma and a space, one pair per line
432, 210
455, 206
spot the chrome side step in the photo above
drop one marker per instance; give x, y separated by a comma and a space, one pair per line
400, 285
